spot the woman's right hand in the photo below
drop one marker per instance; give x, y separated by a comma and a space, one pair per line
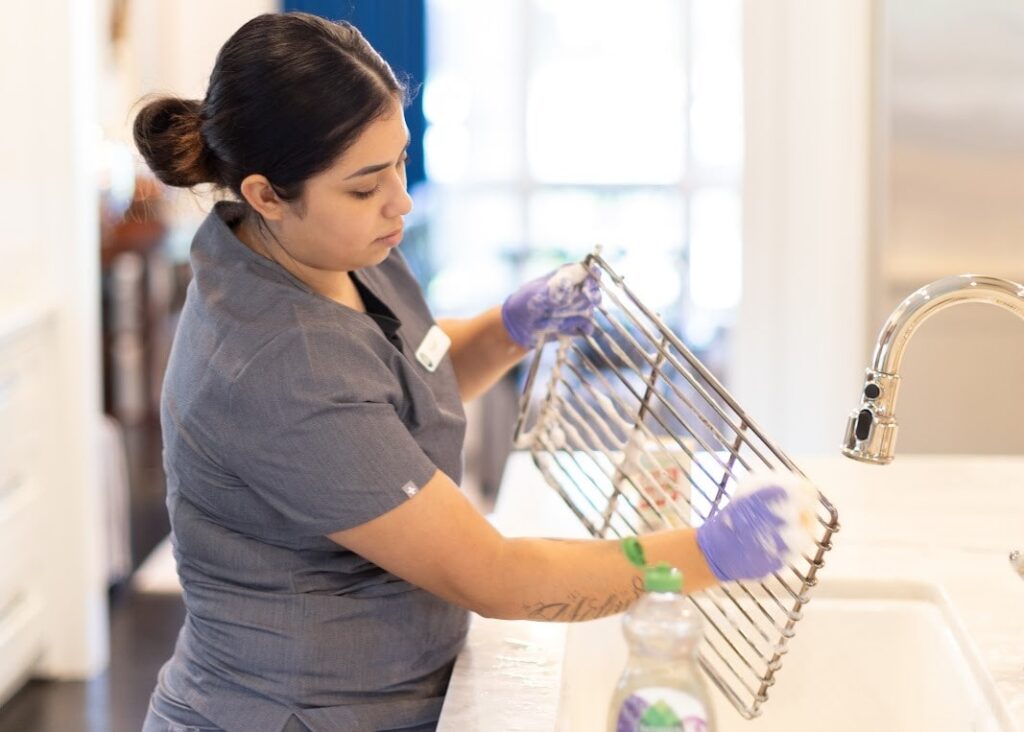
747, 539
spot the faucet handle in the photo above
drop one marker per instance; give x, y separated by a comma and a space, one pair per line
1017, 562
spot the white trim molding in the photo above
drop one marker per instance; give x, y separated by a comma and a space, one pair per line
798, 349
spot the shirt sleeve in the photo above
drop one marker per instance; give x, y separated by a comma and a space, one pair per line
319, 440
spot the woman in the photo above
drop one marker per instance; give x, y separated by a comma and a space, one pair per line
312, 416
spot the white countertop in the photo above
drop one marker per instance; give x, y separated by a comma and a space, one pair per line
951, 521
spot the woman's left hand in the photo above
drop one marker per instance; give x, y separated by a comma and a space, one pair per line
561, 301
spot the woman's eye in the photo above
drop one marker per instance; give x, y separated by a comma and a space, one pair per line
366, 194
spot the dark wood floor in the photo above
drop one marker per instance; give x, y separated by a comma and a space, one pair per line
142, 632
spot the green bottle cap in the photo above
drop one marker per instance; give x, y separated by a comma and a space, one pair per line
663, 578
659, 578
633, 551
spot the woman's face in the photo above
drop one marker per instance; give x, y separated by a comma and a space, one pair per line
350, 215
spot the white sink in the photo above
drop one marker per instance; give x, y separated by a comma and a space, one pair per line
866, 656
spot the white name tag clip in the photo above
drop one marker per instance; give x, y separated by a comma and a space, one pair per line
431, 351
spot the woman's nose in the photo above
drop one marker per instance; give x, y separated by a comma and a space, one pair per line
398, 204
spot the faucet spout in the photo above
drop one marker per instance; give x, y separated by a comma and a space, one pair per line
871, 428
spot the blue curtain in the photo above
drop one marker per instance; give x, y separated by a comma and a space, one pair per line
397, 29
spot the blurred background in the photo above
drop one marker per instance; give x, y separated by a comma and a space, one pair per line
771, 176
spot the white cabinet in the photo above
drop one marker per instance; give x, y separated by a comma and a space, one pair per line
19, 532
22, 474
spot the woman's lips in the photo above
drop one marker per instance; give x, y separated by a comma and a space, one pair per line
391, 239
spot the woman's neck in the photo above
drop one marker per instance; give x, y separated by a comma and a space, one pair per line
337, 286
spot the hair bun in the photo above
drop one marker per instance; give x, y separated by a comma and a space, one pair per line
167, 132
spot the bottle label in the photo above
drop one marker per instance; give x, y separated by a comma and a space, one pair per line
660, 709
658, 484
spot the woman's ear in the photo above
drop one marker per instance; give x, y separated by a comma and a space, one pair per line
259, 194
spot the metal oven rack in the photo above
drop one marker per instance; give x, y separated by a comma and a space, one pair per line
636, 435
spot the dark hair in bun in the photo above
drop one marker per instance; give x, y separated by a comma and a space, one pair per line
167, 133
289, 93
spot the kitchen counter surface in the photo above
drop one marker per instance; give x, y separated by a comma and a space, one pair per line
951, 521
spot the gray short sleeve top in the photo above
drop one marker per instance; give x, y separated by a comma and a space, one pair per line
287, 416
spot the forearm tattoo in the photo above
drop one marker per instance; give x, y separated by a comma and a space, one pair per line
581, 607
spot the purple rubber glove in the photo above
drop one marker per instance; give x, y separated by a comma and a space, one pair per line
744, 540
561, 301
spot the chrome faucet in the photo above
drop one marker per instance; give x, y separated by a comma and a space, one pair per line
871, 430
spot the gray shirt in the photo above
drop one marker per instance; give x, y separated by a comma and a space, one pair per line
287, 416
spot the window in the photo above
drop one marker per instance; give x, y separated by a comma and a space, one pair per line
554, 125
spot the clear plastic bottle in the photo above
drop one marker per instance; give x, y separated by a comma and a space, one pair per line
661, 689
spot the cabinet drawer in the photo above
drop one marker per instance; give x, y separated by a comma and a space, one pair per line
18, 532
21, 642
21, 388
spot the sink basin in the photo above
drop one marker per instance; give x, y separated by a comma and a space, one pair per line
867, 655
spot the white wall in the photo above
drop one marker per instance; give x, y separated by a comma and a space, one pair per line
49, 307
800, 340
171, 49
173, 45
874, 168
63, 91
950, 177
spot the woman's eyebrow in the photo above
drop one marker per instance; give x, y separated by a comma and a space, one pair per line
378, 166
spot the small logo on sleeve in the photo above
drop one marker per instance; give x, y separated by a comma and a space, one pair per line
410, 489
